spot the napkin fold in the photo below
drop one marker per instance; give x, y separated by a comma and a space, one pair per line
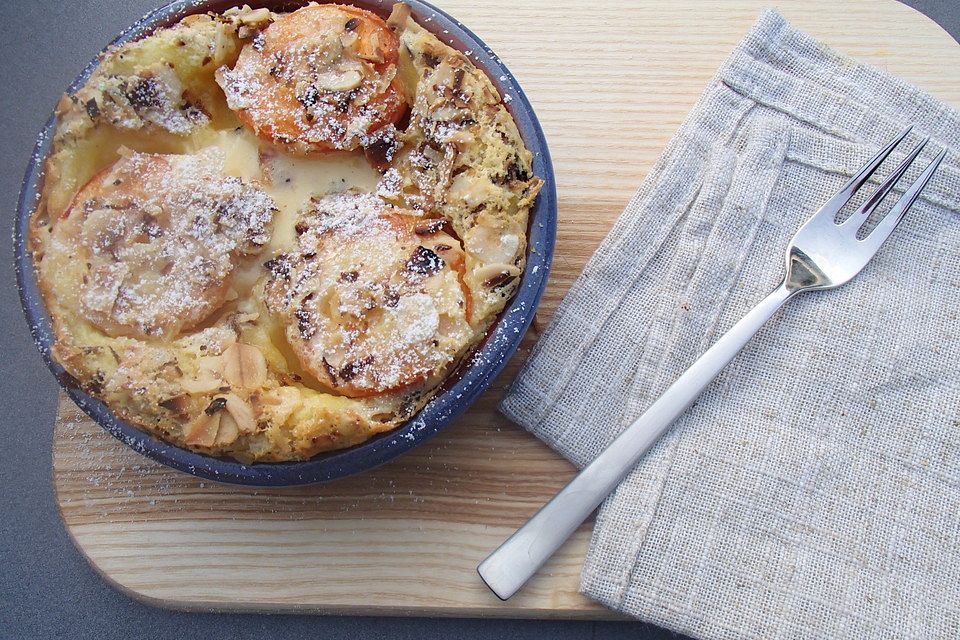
814, 489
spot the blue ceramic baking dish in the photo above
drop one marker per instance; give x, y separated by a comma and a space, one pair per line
474, 376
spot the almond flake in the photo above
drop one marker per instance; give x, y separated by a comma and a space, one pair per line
244, 366
203, 430
228, 432
241, 412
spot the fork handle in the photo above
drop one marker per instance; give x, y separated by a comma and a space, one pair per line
516, 560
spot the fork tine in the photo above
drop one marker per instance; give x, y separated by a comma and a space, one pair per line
862, 213
893, 217
835, 203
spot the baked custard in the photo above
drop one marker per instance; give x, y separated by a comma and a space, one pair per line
267, 235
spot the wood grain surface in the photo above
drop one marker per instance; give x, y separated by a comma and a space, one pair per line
610, 83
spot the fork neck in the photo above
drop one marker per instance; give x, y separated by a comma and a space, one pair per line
803, 272
784, 291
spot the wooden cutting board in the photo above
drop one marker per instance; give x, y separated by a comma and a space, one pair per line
610, 85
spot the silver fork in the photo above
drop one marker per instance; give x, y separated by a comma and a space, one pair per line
823, 254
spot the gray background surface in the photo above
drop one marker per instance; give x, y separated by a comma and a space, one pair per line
47, 590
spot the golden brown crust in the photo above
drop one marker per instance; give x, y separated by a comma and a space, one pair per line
234, 375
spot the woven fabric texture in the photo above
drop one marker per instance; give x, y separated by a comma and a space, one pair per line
814, 489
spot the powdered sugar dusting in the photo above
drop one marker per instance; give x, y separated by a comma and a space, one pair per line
389, 185
162, 234
313, 83
368, 304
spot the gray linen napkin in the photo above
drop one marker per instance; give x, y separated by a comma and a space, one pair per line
814, 489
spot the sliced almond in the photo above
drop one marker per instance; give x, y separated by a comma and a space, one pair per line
249, 22
244, 366
461, 138
348, 39
201, 384
218, 48
209, 376
241, 412
203, 430
472, 189
496, 275
177, 404
370, 49
493, 244
398, 16
254, 17
339, 81
429, 226
229, 430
